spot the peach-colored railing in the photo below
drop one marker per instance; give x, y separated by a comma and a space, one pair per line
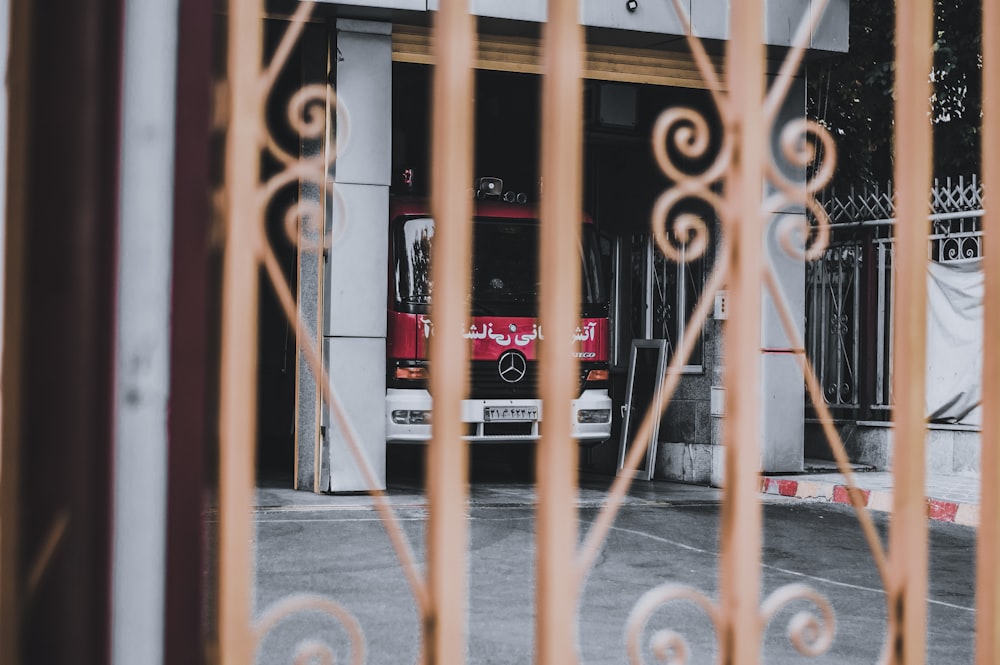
988, 551
907, 588
740, 169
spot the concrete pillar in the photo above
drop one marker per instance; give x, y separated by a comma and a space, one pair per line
782, 382
315, 68
783, 386
783, 389
355, 282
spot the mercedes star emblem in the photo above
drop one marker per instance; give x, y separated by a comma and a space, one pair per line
512, 366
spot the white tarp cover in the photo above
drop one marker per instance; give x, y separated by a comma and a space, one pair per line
955, 342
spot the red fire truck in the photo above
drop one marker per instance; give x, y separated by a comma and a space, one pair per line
504, 334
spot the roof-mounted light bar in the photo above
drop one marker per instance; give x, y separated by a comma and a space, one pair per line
489, 187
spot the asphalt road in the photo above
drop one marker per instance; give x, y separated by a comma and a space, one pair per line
666, 533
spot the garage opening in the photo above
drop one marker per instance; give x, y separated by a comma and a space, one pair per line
649, 297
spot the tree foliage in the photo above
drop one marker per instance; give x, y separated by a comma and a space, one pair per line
852, 94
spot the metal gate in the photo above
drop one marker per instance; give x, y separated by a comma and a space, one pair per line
845, 324
732, 187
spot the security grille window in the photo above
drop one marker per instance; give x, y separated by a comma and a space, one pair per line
833, 316
663, 295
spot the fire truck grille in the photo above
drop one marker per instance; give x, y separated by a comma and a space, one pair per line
485, 382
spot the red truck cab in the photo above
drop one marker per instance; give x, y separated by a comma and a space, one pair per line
503, 404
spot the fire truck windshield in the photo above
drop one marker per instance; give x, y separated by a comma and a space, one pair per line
504, 265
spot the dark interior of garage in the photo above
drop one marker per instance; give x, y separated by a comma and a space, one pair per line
621, 178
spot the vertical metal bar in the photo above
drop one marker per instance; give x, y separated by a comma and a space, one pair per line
648, 274
681, 290
856, 328
237, 388
881, 374
188, 416
66, 262
884, 373
908, 530
739, 574
890, 353
815, 327
868, 371
447, 456
824, 322
662, 300
619, 270
656, 288
809, 310
561, 215
880, 327
838, 338
988, 549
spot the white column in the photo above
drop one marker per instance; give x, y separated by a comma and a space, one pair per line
356, 283
783, 385
142, 346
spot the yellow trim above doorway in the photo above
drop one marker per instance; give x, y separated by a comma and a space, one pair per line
523, 55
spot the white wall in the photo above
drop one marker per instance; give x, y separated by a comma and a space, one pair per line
709, 18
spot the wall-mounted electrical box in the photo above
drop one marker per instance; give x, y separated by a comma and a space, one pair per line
722, 305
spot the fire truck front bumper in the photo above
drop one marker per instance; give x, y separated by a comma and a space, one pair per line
408, 418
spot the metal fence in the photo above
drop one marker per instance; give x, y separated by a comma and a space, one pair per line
850, 316
749, 114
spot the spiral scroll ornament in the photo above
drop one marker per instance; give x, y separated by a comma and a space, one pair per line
667, 646
803, 237
687, 132
798, 142
688, 230
810, 634
307, 117
311, 652
960, 248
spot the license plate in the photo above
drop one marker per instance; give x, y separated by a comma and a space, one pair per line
510, 413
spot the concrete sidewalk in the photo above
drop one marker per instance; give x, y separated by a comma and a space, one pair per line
275, 494
950, 498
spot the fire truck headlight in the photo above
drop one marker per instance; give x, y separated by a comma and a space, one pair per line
593, 416
403, 417
420, 417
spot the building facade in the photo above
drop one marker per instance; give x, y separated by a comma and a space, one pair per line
111, 261
638, 65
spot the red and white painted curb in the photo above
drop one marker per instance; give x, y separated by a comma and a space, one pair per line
881, 500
